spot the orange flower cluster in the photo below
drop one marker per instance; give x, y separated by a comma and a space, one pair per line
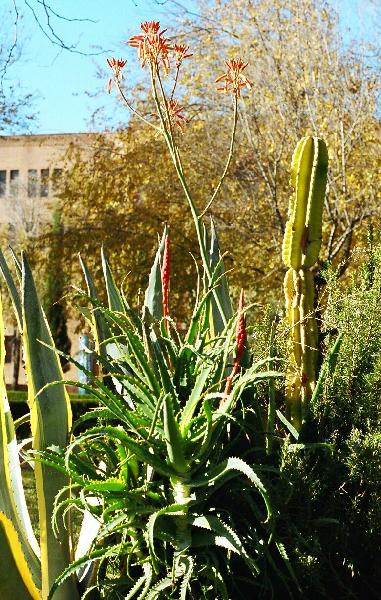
155, 50
181, 51
234, 79
153, 47
116, 64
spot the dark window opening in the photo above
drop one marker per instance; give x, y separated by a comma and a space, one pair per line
44, 183
3, 183
32, 182
14, 182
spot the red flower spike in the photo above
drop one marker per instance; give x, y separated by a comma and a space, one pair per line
240, 336
181, 52
234, 78
153, 47
165, 275
116, 64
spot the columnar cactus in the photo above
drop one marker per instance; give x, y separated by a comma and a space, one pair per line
301, 246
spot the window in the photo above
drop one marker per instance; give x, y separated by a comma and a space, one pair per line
14, 182
44, 183
3, 183
32, 182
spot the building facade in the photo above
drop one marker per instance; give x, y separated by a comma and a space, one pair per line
30, 168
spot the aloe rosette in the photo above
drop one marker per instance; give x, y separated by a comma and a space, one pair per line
152, 454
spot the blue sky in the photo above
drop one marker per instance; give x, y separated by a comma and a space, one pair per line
66, 84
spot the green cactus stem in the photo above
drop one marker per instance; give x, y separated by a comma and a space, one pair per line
301, 246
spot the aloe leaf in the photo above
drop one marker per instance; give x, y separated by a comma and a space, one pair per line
187, 563
216, 525
163, 584
173, 438
153, 299
145, 580
100, 329
289, 426
194, 398
137, 349
209, 538
172, 509
115, 301
50, 423
164, 371
141, 453
233, 464
222, 289
81, 562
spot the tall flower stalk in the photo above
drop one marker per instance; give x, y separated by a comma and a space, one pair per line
156, 51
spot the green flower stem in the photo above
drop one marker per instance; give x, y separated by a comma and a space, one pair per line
230, 156
169, 138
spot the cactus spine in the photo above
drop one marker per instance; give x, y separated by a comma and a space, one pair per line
301, 246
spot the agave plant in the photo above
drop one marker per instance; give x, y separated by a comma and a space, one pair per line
29, 567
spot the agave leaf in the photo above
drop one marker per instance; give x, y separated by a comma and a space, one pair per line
13, 292
50, 422
17, 262
12, 496
16, 578
153, 299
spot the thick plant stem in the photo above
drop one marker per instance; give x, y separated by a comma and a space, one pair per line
181, 495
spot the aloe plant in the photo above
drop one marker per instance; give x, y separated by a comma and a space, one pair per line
29, 567
152, 456
301, 246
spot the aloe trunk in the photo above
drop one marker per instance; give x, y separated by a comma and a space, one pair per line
301, 246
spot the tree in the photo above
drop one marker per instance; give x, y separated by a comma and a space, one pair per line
16, 106
54, 290
305, 82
